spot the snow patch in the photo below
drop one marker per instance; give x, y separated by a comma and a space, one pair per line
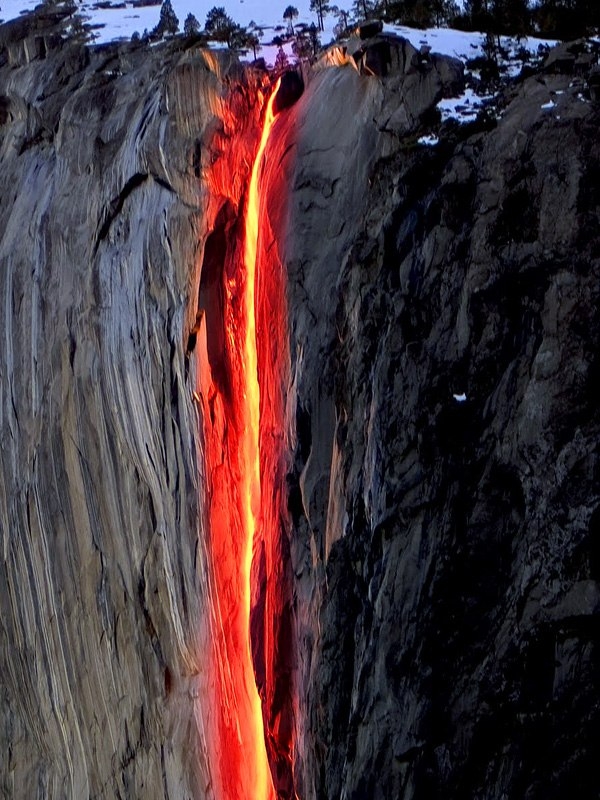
121, 22
464, 108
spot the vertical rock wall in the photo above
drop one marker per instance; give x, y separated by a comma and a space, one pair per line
443, 341
104, 212
444, 337
326, 149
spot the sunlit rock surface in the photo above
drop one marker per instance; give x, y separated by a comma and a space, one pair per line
103, 592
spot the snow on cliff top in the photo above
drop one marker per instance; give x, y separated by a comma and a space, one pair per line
122, 19
121, 22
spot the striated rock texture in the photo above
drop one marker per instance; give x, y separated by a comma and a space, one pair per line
444, 550
103, 591
444, 343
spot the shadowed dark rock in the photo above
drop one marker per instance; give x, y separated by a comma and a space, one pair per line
445, 550
289, 92
568, 57
370, 28
594, 84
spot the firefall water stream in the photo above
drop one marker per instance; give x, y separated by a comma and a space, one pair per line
232, 435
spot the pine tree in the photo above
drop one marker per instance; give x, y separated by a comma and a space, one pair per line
567, 19
255, 34
254, 42
321, 7
79, 29
168, 23
313, 35
510, 17
363, 9
443, 11
290, 14
219, 24
343, 21
281, 61
477, 15
301, 46
191, 26
238, 38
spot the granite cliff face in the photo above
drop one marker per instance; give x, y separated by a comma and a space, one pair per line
103, 587
444, 551
444, 339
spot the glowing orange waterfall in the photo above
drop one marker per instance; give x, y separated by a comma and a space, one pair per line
273, 641
240, 528
251, 492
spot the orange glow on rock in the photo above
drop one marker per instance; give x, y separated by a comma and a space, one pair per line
230, 399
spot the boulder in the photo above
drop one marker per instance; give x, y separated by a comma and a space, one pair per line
594, 84
565, 56
370, 28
